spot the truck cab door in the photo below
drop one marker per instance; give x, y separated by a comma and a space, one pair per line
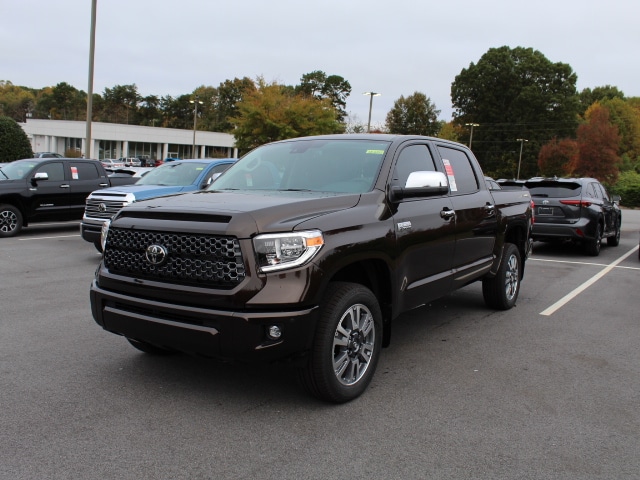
424, 235
48, 192
476, 214
84, 178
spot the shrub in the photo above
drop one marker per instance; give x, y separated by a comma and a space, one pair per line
628, 187
14, 143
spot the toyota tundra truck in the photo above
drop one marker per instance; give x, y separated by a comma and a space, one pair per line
306, 250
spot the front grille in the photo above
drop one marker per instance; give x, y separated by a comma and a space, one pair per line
103, 208
203, 260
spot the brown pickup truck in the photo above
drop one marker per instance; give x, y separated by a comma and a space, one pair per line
307, 250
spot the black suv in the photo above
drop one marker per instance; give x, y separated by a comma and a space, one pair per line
576, 209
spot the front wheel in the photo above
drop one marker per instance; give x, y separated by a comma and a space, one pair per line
346, 346
10, 221
501, 292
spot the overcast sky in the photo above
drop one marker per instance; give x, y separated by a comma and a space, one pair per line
398, 47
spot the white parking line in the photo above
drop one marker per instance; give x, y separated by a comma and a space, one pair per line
43, 238
570, 296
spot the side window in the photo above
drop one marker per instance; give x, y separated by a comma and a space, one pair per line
603, 192
84, 171
54, 170
414, 158
462, 178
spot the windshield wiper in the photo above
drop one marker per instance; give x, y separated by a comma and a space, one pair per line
5, 175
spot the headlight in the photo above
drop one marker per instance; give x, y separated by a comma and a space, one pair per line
277, 251
104, 231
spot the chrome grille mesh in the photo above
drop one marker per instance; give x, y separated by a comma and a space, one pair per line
108, 210
205, 260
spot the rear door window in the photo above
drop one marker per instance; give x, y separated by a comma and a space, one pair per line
84, 171
462, 177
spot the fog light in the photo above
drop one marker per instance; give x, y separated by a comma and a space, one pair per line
274, 332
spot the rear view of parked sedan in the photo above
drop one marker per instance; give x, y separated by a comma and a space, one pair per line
575, 209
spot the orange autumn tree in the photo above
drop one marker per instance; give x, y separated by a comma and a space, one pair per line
598, 146
557, 157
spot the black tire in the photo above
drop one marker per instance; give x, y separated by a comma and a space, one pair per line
148, 348
349, 335
592, 247
615, 240
10, 221
501, 292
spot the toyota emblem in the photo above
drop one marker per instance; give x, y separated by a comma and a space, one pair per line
156, 254
102, 207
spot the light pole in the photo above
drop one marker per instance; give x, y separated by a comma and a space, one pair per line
371, 95
92, 47
471, 135
521, 140
195, 123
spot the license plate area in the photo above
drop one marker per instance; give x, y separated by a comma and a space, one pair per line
545, 210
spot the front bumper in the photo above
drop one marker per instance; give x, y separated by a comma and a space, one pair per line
227, 335
91, 231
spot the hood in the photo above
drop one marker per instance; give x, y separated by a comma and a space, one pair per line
268, 210
141, 192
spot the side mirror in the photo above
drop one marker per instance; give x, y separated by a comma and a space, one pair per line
39, 176
616, 198
211, 179
421, 184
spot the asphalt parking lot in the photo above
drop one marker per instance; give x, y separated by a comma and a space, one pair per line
547, 390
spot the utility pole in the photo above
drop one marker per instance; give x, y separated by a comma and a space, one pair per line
521, 140
471, 135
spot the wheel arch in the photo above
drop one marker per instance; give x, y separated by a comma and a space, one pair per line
374, 274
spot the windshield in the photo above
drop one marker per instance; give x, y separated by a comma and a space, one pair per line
173, 174
317, 165
17, 170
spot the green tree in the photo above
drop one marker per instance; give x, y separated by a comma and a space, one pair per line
149, 112
121, 104
333, 87
68, 103
599, 94
14, 143
413, 115
272, 112
511, 94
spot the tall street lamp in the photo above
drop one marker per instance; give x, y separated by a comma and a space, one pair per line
471, 135
521, 140
195, 123
92, 47
371, 95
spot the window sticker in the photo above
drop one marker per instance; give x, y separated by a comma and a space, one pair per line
74, 173
450, 175
376, 152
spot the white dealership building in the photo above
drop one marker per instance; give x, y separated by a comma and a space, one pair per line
114, 140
